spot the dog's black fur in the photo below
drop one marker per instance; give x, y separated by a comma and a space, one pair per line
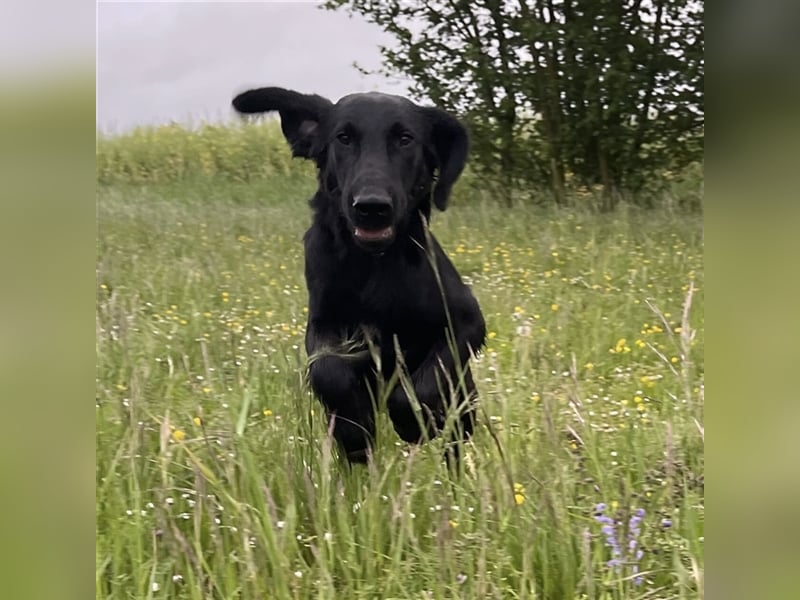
376, 277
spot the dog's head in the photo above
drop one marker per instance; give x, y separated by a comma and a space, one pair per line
382, 157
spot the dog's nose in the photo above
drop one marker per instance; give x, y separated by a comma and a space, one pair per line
373, 207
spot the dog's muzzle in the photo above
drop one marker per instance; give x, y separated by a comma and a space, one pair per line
373, 217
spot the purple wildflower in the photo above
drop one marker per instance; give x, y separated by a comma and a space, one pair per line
633, 553
635, 523
635, 528
637, 579
609, 531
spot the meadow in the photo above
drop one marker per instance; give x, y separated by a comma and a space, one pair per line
215, 474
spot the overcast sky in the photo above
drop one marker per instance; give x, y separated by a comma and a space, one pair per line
164, 61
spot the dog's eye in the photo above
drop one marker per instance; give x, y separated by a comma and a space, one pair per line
343, 139
405, 139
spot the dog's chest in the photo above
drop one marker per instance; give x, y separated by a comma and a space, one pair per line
395, 295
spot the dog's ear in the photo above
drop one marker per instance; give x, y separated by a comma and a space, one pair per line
451, 146
301, 115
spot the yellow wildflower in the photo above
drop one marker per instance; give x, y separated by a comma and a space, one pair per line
519, 493
620, 347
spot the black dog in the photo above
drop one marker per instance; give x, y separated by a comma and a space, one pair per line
379, 284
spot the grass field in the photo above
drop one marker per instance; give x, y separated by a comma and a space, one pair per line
215, 478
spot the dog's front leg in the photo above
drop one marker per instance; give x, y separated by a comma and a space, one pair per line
341, 376
442, 383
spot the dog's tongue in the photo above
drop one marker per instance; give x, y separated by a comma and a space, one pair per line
374, 235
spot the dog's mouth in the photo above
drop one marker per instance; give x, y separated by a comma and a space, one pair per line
374, 236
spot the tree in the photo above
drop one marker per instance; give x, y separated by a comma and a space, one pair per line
609, 91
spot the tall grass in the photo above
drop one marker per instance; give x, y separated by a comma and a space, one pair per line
215, 474
169, 153
257, 154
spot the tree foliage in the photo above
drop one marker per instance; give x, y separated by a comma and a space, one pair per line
609, 92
